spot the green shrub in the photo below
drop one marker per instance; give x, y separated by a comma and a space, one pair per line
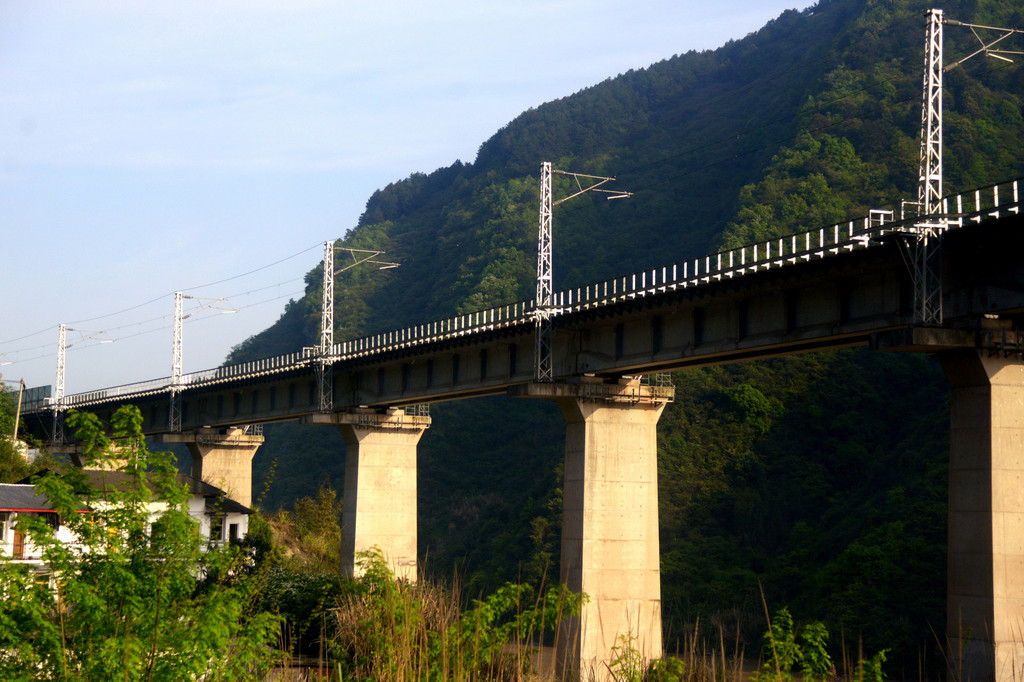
783, 651
302, 600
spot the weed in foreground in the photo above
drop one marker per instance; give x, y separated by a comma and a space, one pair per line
393, 630
784, 651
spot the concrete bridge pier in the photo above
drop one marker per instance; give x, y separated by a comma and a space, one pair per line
221, 457
985, 600
610, 548
380, 486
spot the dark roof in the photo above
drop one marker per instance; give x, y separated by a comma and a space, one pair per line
21, 497
216, 499
225, 505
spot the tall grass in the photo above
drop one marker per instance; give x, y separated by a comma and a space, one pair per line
393, 630
403, 632
387, 629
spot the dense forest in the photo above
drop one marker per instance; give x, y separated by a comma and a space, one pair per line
819, 479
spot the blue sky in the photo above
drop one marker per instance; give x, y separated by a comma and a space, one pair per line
152, 147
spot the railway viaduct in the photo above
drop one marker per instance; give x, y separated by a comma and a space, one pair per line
852, 284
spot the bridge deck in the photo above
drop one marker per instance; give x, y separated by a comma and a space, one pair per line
830, 287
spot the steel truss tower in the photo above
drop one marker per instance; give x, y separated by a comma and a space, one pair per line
174, 414
57, 401
58, 391
542, 302
325, 351
924, 245
177, 384
324, 372
544, 305
922, 240
929, 193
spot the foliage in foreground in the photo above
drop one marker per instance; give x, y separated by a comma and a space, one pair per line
125, 602
303, 601
786, 650
392, 630
309, 537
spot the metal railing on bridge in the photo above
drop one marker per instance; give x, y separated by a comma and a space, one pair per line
971, 207
251, 369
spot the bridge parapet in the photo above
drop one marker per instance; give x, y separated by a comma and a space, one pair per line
247, 370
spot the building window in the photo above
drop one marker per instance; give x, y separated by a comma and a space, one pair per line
3, 526
233, 532
216, 527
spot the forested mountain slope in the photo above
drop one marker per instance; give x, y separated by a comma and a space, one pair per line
820, 478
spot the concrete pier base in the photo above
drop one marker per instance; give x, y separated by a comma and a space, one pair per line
380, 486
985, 600
610, 548
221, 457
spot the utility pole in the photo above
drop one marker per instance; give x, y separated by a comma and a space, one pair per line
57, 401
174, 412
925, 253
923, 240
17, 413
544, 308
325, 351
58, 386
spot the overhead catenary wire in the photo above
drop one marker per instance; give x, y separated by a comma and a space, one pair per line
122, 337
765, 81
913, 96
202, 286
807, 61
163, 298
815, 129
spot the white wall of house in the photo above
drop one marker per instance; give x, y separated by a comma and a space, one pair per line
217, 527
224, 526
18, 546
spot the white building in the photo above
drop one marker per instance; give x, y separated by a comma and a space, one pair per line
220, 518
19, 500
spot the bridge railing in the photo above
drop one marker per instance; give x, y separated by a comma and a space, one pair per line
438, 330
253, 368
799, 247
775, 253
139, 388
959, 210
990, 201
